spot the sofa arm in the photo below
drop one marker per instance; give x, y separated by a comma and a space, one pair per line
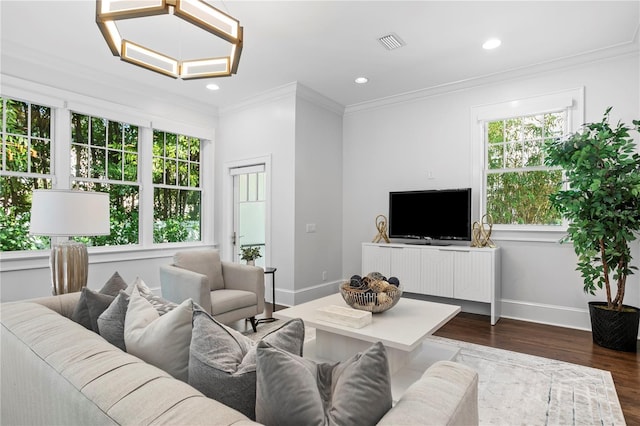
446, 394
64, 304
178, 285
244, 277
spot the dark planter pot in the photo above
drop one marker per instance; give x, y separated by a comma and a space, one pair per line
614, 329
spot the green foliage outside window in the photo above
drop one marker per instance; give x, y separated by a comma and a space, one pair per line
518, 183
176, 193
25, 158
104, 158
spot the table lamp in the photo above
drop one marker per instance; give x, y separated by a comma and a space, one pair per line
68, 213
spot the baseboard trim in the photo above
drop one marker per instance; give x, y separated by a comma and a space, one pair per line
560, 316
296, 297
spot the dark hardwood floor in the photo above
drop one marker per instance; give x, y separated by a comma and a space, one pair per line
559, 343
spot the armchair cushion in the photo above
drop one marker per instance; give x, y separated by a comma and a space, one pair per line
205, 262
229, 300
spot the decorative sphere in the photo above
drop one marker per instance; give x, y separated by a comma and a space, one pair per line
394, 281
376, 276
355, 281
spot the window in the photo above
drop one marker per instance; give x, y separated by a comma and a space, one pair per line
516, 180
26, 148
104, 158
176, 188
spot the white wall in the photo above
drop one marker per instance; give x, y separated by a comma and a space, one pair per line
262, 128
299, 132
318, 192
394, 146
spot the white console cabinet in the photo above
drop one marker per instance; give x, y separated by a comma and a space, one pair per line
456, 272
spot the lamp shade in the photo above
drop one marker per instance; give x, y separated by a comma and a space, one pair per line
67, 213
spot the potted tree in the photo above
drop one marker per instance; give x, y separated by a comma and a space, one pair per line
602, 205
250, 254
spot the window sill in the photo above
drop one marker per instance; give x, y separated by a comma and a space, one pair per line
538, 234
23, 260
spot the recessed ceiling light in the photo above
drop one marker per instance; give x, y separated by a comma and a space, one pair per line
213, 86
492, 43
361, 80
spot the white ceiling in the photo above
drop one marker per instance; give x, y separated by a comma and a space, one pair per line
323, 45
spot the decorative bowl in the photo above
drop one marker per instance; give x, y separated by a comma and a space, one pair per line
370, 300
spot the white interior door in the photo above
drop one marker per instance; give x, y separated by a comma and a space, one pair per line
249, 210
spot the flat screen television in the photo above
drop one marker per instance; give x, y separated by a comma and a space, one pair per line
431, 214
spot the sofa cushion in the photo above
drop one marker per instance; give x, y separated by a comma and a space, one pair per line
205, 262
222, 362
294, 390
159, 340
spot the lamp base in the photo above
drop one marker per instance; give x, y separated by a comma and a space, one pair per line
69, 267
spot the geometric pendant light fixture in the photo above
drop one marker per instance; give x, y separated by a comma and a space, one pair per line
196, 12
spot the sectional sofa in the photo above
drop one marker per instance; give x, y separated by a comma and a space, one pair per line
55, 371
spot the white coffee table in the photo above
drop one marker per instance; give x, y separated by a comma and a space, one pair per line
402, 330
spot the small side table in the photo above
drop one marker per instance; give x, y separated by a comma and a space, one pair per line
268, 270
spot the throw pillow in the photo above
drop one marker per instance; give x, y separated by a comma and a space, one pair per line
222, 361
162, 305
113, 285
81, 313
89, 307
291, 390
111, 321
159, 340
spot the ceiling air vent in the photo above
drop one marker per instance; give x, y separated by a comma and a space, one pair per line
391, 41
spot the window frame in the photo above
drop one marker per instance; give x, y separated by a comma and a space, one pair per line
177, 185
571, 101
61, 104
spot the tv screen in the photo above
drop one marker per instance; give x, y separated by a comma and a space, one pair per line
431, 214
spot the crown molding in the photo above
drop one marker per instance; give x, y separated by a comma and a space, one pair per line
631, 49
290, 89
137, 95
319, 99
271, 95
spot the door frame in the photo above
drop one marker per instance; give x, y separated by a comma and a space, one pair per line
227, 203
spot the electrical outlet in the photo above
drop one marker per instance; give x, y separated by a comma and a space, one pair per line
311, 227
324, 275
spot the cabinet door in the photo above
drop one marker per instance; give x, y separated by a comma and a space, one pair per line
473, 276
376, 259
437, 273
405, 265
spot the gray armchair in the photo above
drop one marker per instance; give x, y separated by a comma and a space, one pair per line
228, 291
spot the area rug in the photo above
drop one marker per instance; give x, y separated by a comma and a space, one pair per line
519, 389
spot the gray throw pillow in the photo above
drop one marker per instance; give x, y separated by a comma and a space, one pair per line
81, 313
89, 307
222, 361
291, 390
113, 285
111, 321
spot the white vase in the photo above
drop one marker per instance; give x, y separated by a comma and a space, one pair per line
251, 262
